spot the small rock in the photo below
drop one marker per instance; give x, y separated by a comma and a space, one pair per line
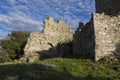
12, 78
31, 60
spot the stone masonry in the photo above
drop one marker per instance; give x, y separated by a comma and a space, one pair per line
55, 40
84, 40
107, 34
101, 36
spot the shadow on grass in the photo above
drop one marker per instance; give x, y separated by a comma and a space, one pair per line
61, 50
39, 72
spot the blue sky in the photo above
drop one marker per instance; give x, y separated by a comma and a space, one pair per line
28, 15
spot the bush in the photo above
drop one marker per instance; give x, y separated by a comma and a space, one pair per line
12, 47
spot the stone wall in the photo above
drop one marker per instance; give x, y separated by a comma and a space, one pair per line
101, 36
107, 35
55, 40
98, 38
84, 40
110, 7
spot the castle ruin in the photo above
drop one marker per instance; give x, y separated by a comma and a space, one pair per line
99, 37
55, 40
96, 39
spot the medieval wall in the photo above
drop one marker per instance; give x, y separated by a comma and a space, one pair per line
84, 40
107, 34
99, 37
55, 40
110, 7
96, 39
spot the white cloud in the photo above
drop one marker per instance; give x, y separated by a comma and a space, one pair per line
17, 22
28, 15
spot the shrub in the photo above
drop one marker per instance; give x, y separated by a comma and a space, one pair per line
12, 47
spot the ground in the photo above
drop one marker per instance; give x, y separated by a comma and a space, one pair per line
62, 69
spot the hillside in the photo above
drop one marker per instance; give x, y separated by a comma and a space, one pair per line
61, 69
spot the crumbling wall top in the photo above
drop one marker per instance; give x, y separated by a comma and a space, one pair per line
60, 22
49, 20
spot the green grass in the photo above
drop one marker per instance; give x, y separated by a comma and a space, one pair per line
62, 69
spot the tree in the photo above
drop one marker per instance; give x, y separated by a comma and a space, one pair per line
12, 47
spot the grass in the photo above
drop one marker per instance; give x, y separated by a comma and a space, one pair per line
62, 69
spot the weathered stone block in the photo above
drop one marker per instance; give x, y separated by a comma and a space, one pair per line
106, 37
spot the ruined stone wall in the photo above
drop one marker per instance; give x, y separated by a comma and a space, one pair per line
101, 36
55, 40
110, 7
57, 32
98, 38
107, 34
84, 40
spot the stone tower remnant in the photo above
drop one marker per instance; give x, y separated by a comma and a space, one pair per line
109, 7
55, 40
99, 37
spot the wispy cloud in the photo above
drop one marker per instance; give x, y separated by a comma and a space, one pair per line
28, 15
17, 22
